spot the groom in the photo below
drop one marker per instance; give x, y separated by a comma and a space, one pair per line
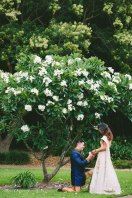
78, 164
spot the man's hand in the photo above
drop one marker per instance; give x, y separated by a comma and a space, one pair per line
90, 156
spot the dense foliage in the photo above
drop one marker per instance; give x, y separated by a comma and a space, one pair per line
55, 21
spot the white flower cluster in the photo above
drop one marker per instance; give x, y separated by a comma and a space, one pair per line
70, 61
128, 77
81, 82
116, 79
41, 107
64, 110
111, 70
48, 59
80, 96
14, 91
48, 92
82, 103
28, 107
97, 115
21, 75
58, 72
47, 81
70, 105
63, 83
111, 84
80, 72
106, 74
4, 76
35, 91
56, 98
80, 117
42, 71
25, 128
106, 98
37, 59
130, 86
93, 85
50, 103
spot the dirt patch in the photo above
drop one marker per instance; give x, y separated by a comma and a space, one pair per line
52, 185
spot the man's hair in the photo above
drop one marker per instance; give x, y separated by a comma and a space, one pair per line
79, 141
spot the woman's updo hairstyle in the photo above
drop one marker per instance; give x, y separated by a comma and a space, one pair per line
105, 130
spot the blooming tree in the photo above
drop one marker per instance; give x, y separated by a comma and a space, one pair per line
66, 95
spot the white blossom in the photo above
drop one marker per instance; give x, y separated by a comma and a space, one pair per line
63, 83
130, 86
78, 72
71, 107
106, 74
50, 103
4, 76
128, 76
80, 103
85, 73
116, 79
28, 107
17, 92
90, 82
48, 92
80, 96
42, 71
64, 110
112, 85
49, 59
47, 80
25, 128
97, 115
70, 61
31, 78
95, 87
81, 82
106, 98
111, 70
37, 59
78, 59
14, 91
80, 117
35, 91
56, 98
55, 63
19, 75
41, 107
58, 72
69, 101
85, 103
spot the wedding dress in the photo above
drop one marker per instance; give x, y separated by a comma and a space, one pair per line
104, 179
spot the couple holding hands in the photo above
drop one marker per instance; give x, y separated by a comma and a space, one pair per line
104, 179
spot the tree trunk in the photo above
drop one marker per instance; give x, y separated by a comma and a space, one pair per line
5, 143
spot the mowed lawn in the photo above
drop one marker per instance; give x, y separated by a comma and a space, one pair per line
6, 173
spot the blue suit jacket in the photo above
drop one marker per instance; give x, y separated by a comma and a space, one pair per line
78, 164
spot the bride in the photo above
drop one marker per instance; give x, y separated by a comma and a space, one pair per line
104, 179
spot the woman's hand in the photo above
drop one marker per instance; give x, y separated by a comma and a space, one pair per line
94, 152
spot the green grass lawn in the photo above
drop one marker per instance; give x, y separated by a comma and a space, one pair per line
125, 178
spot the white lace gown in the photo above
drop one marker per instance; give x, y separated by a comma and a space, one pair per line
104, 179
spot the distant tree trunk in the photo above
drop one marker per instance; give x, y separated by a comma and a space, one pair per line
5, 143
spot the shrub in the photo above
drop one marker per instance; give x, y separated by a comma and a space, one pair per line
121, 149
24, 180
14, 157
123, 164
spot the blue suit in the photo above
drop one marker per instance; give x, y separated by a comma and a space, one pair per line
78, 164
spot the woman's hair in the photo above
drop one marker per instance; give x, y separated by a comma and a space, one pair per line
105, 130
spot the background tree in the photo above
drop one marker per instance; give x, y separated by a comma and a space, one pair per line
66, 95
